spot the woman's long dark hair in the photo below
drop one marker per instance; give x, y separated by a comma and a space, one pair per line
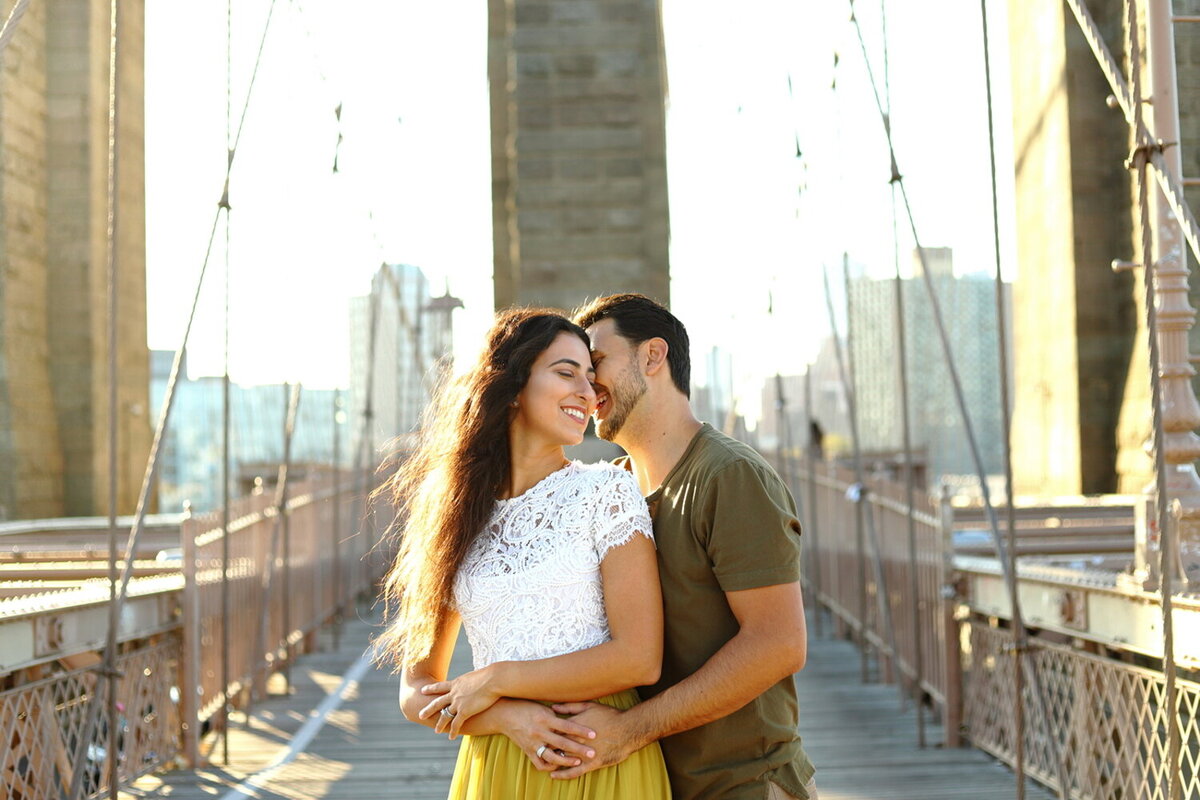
445, 492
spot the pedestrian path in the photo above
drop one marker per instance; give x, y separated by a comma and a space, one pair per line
863, 745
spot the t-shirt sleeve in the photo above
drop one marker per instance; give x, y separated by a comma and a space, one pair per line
620, 512
752, 535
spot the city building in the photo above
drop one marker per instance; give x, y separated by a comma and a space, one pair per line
712, 388
968, 304
830, 420
190, 458
407, 334
783, 418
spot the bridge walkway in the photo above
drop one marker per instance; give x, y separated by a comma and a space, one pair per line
863, 744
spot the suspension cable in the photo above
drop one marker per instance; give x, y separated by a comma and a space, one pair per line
1019, 636
123, 584
1144, 145
1121, 93
109, 666
226, 408
861, 500
1006, 564
10, 24
905, 423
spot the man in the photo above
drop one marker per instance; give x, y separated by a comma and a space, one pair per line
728, 541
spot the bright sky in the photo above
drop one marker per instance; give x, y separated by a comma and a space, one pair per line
414, 183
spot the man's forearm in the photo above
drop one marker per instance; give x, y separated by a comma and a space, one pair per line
748, 665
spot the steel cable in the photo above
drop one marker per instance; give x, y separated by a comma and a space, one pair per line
10, 24
1144, 145
956, 383
122, 585
1020, 639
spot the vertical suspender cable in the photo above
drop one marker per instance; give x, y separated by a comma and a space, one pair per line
1143, 144
1020, 642
110, 647
850, 379
362, 464
336, 535
292, 398
782, 431
10, 24
865, 517
225, 406
813, 453
1010, 579
848, 390
882, 595
918, 677
90, 724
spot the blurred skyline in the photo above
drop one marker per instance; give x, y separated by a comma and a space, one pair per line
413, 184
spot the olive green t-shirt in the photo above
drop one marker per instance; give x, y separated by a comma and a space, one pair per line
724, 522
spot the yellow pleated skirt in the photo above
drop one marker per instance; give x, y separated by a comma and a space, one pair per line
494, 768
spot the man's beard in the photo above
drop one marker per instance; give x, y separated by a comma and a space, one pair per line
624, 396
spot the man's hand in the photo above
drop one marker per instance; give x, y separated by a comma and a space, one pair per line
614, 742
532, 725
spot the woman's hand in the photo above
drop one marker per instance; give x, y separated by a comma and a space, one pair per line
463, 698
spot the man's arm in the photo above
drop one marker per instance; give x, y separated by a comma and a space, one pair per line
770, 645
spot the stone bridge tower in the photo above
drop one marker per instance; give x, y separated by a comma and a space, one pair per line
1075, 321
579, 182
53, 275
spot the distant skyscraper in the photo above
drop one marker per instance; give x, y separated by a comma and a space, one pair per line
783, 396
829, 409
969, 306
413, 341
190, 460
713, 400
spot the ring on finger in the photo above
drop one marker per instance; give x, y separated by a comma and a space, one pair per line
446, 712
541, 750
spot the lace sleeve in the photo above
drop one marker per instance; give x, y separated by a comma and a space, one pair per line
620, 511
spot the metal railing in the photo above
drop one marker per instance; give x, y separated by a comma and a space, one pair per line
170, 684
287, 577
1107, 719
42, 724
1110, 720
838, 576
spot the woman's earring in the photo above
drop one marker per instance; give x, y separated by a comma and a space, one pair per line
514, 404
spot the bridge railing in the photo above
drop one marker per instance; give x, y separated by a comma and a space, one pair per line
1106, 721
869, 593
50, 637
288, 575
1101, 720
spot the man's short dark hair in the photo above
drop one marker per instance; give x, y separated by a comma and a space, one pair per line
638, 319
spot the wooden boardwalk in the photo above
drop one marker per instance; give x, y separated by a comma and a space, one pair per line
862, 744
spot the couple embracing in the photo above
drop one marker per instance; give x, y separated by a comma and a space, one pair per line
634, 626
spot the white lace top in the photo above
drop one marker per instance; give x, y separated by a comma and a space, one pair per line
529, 586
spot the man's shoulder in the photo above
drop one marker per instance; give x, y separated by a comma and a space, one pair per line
717, 452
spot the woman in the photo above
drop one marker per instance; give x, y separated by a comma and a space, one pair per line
548, 563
